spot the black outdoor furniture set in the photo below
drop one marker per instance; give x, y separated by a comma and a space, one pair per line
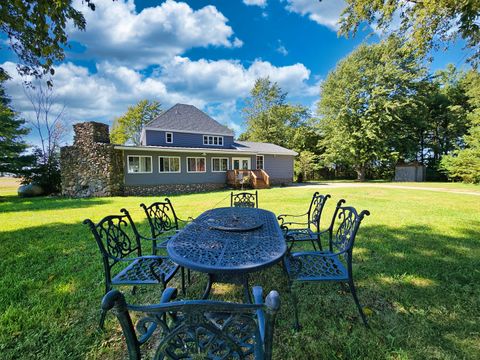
228, 244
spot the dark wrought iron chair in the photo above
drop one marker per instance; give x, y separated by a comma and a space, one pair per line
120, 243
244, 199
334, 264
164, 223
198, 329
305, 227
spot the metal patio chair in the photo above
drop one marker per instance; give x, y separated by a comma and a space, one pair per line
244, 199
334, 264
164, 223
305, 227
120, 243
197, 329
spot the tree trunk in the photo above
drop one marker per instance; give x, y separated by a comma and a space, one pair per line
361, 172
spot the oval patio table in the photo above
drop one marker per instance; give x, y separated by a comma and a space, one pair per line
228, 244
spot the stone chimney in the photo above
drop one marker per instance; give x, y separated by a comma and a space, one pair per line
91, 166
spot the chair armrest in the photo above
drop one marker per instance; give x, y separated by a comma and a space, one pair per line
317, 253
147, 238
281, 216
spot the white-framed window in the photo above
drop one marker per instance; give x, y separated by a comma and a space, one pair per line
169, 164
169, 137
219, 164
260, 162
139, 164
196, 164
212, 140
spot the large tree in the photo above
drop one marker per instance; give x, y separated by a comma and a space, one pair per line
269, 118
12, 130
128, 127
366, 105
36, 31
464, 162
428, 24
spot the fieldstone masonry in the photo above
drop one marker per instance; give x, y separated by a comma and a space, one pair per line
91, 166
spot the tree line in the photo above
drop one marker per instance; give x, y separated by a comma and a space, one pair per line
378, 107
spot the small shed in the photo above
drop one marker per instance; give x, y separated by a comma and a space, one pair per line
414, 172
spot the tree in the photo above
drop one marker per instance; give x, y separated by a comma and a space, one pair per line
366, 105
128, 127
464, 162
427, 23
269, 118
36, 31
49, 122
12, 129
305, 163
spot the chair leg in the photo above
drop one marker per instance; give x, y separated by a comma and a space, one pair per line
296, 324
134, 289
355, 298
103, 315
189, 276
182, 269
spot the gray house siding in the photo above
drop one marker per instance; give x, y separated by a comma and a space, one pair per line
183, 177
183, 139
279, 168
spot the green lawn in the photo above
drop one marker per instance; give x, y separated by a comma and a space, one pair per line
416, 265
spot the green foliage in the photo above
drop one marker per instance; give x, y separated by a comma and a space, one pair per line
269, 118
37, 31
44, 171
464, 163
128, 127
12, 130
305, 163
428, 24
367, 105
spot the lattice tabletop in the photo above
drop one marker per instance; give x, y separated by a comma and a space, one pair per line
214, 242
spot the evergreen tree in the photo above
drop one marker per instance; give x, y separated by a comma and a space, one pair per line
12, 130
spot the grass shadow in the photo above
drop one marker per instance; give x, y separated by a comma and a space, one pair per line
18, 204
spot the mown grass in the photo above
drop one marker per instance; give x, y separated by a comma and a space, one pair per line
416, 268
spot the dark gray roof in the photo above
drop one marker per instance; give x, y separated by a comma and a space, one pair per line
262, 148
182, 117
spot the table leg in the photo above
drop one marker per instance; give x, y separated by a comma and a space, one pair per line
206, 293
246, 289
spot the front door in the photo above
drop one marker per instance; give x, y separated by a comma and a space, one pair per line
240, 163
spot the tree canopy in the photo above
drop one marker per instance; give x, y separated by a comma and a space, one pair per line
12, 130
366, 105
428, 24
36, 31
269, 118
128, 127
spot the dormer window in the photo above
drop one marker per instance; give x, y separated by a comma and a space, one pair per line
169, 138
212, 140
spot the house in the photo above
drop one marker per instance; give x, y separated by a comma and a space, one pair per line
182, 150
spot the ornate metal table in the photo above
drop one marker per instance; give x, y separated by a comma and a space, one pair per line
228, 244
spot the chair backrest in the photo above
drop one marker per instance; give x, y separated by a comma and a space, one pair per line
244, 199
343, 228
161, 217
202, 329
116, 236
316, 208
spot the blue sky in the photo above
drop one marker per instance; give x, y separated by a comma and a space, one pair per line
205, 53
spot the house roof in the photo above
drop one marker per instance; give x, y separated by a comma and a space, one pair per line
188, 118
239, 147
262, 148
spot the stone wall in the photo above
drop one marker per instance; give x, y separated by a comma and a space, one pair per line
91, 166
169, 189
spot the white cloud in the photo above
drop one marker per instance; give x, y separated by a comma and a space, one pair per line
325, 12
118, 33
281, 48
261, 3
214, 86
